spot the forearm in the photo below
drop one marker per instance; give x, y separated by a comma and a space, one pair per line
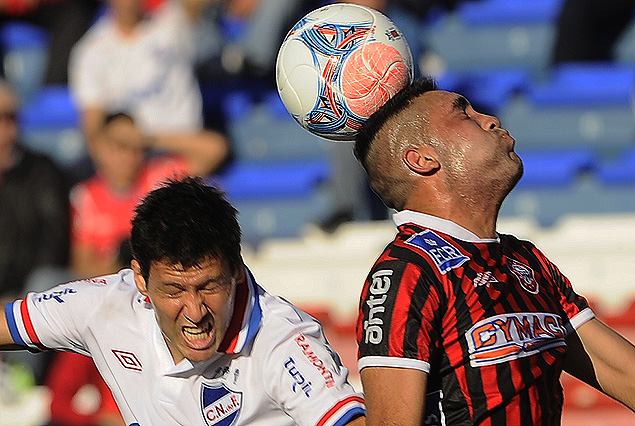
204, 151
611, 358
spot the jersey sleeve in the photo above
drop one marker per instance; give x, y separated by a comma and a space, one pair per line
55, 319
305, 375
400, 313
575, 306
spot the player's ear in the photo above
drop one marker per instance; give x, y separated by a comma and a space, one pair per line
240, 276
142, 286
421, 160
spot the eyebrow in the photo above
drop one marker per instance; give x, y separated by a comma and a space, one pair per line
461, 103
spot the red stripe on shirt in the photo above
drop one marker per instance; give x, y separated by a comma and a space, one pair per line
28, 325
230, 341
337, 407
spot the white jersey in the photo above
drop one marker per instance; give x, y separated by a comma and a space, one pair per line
149, 74
275, 368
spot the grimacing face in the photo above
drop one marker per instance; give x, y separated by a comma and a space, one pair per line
193, 306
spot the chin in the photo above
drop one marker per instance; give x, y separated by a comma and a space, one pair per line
199, 356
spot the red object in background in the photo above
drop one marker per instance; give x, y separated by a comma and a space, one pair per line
67, 374
150, 5
21, 7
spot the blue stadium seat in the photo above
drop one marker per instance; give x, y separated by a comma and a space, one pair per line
263, 130
488, 89
581, 104
50, 124
554, 168
244, 180
495, 33
277, 199
548, 204
589, 84
620, 171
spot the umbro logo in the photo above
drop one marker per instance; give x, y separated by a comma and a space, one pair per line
127, 359
484, 279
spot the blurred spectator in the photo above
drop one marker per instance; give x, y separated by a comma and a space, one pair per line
64, 21
79, 396
588, 30
34, 212
143, 63
102, 205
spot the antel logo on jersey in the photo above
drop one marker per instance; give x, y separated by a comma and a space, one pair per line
379, 286
510, 336
525, 276
444, 254
221, 405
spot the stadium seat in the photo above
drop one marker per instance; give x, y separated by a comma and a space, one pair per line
548, 204
276, 199
620, 171
495, 33
263, 130
584, 83
50, 124
244, 180
488, 89
555, 167
580, 104
281, 217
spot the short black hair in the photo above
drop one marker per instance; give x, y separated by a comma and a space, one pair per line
184, 222
396, 104
116, 116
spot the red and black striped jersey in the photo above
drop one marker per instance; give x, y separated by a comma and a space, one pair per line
486, 319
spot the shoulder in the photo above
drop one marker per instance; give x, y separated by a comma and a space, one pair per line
83, 191
283, 323
119, 283
96, 37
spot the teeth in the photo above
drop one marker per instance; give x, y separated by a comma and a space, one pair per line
195, 331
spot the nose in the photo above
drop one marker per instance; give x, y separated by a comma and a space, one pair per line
488, 122
194, 308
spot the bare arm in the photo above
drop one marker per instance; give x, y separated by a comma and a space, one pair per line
602, 358
394, 396
359, 421
204, 152
92, 121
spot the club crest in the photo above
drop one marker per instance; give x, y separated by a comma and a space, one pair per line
221, 405
525, 276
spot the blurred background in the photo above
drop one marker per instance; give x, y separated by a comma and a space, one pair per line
560, 75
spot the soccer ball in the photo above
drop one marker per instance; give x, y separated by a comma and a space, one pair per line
338, 65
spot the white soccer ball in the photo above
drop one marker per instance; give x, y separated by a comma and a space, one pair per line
338, 65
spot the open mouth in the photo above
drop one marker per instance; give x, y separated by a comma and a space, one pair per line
199, 337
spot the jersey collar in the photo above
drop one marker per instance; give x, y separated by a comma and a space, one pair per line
246, 319
443, 225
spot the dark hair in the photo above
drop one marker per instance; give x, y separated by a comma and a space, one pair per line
184, 222
116, 116
396, 104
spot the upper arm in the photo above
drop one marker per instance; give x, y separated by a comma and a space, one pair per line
394, 396
602, 358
